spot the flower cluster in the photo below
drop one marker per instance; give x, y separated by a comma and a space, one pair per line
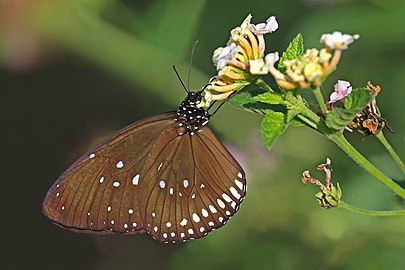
237, 62
314, 65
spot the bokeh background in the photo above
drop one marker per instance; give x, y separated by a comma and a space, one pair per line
73, 72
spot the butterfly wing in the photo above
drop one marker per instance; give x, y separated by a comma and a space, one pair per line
195, 186
150, 177
98, 193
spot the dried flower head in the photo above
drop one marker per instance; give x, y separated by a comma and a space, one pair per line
369, 121
329, 196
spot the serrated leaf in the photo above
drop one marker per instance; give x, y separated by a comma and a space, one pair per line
273, 125
269, 97
339, 117
245, 100
294, 50
358, 98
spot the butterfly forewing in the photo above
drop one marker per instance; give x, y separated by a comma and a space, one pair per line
98, 193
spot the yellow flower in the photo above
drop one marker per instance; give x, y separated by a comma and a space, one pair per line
240, 62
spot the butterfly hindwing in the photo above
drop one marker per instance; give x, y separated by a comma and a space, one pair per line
194, 186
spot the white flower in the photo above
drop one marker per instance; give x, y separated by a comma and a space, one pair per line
262, 67
270, 26
342, 89
223, 55
258, 67
337, 40
246, 24
271, 58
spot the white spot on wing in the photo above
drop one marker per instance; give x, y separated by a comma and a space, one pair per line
233, 204
101, 179
119, 164
240, 175
196, 218
135, 180
226, 197
116, 184
204, 212
92, 155
164, 235
221, 203
212, 224
173, 234
171, 191
190, 231
168, 224
239, 184
202, 229
185, 183
162, 184
183, 222
130, 211
182, 235
212, 209
235, 193
160, 166
109, 208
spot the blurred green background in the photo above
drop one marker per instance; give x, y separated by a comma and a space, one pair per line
73, 72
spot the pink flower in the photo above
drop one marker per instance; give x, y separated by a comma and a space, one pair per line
342, 89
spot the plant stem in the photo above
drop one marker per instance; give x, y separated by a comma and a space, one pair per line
341, 141
321, 101
263, 85
371, 212
380, 136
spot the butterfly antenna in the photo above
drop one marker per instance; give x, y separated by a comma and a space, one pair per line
191, 62
178, 76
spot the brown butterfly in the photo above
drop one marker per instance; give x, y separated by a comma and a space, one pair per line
167, 175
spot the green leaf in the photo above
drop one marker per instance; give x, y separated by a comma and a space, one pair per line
339, 117
358, 98
294, 50
246, 100
269, 97
273, 125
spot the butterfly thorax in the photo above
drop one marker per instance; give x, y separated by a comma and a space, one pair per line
189, 116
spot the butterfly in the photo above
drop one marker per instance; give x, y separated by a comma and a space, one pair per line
167, 175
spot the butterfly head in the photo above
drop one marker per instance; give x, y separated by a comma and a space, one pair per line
191, 117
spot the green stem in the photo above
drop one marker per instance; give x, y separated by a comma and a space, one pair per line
263, 85
341, 141
380, 136
371, 212
321, 101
